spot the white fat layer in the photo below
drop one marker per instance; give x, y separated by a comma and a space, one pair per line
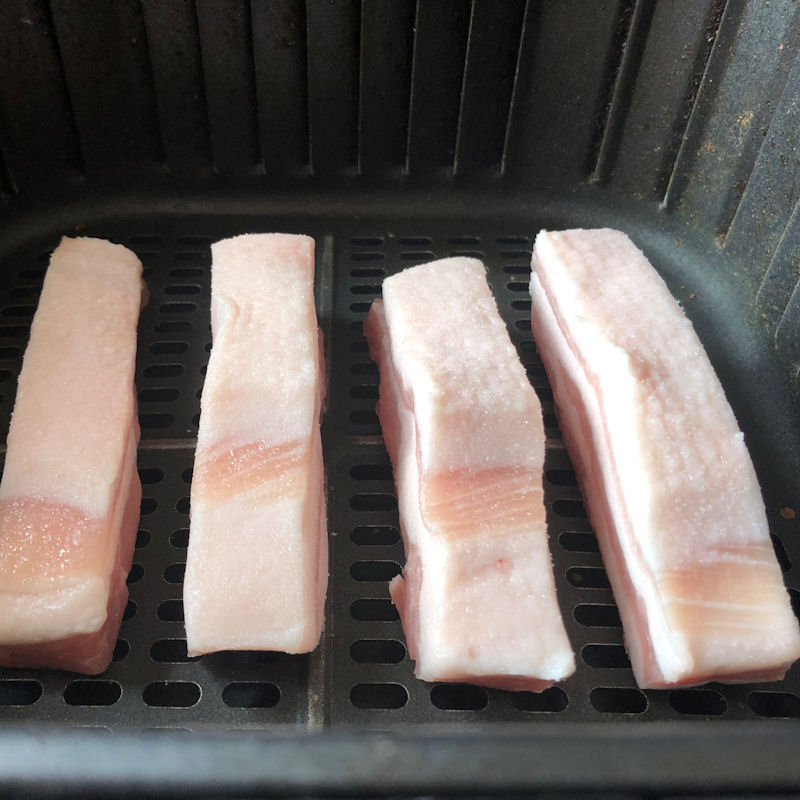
474, 404
621, 465
460, 587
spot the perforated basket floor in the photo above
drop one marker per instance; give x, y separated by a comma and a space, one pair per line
360, 676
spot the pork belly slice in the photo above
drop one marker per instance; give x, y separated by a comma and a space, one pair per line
668, 482
70, 493
257, 564
464, 431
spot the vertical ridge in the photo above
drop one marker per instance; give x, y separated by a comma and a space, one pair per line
440, 49
311, 166
161, 150
631, 51
761, 219
251, 54
411, 83
204, 90
750, 62
280, 85
613, 68
309, 160
782, 274
360, 95
681, 123
173, 47
333, 47
64, 86
515, 87
462, 93
384, 77
359, 81
671, 191
787, 334
225, 29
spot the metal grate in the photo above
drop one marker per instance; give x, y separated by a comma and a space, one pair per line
361, 674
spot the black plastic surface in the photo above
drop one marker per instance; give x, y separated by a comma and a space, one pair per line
393, 132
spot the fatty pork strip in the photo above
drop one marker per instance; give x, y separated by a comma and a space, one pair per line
256, 569
464, 431
70, 493
669, 485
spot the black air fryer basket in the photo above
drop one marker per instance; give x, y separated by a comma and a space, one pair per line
395, 132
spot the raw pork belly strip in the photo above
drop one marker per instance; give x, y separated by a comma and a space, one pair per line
464, 430
670, 488
257, 565
70, 494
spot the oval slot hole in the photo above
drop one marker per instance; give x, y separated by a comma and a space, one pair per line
605, 656
551, 700
182, 506
179, 538
364, 416
364, 368
459, 697
371, 472
774, 704
170, 651
365, 392
148, 506
156, 421
560, 477
588, 577
15, 692
375, 535
143, 538
163, 371
92, 693
704, 702
597, 616
379, 501
377, 651
246, 694
174, 573
568, 508
168, 348
374, 610
367, 571
121, 650
150, 475
378, 695
171, 611
618, 701
171, 694
578, 542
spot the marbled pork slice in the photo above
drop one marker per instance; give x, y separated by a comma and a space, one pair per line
70, 493
668, 482
464, 431
256, 568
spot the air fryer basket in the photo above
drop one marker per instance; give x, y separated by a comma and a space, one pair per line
395, 132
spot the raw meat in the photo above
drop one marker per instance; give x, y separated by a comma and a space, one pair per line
464, 431
257, 565
70, 494
669, 485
